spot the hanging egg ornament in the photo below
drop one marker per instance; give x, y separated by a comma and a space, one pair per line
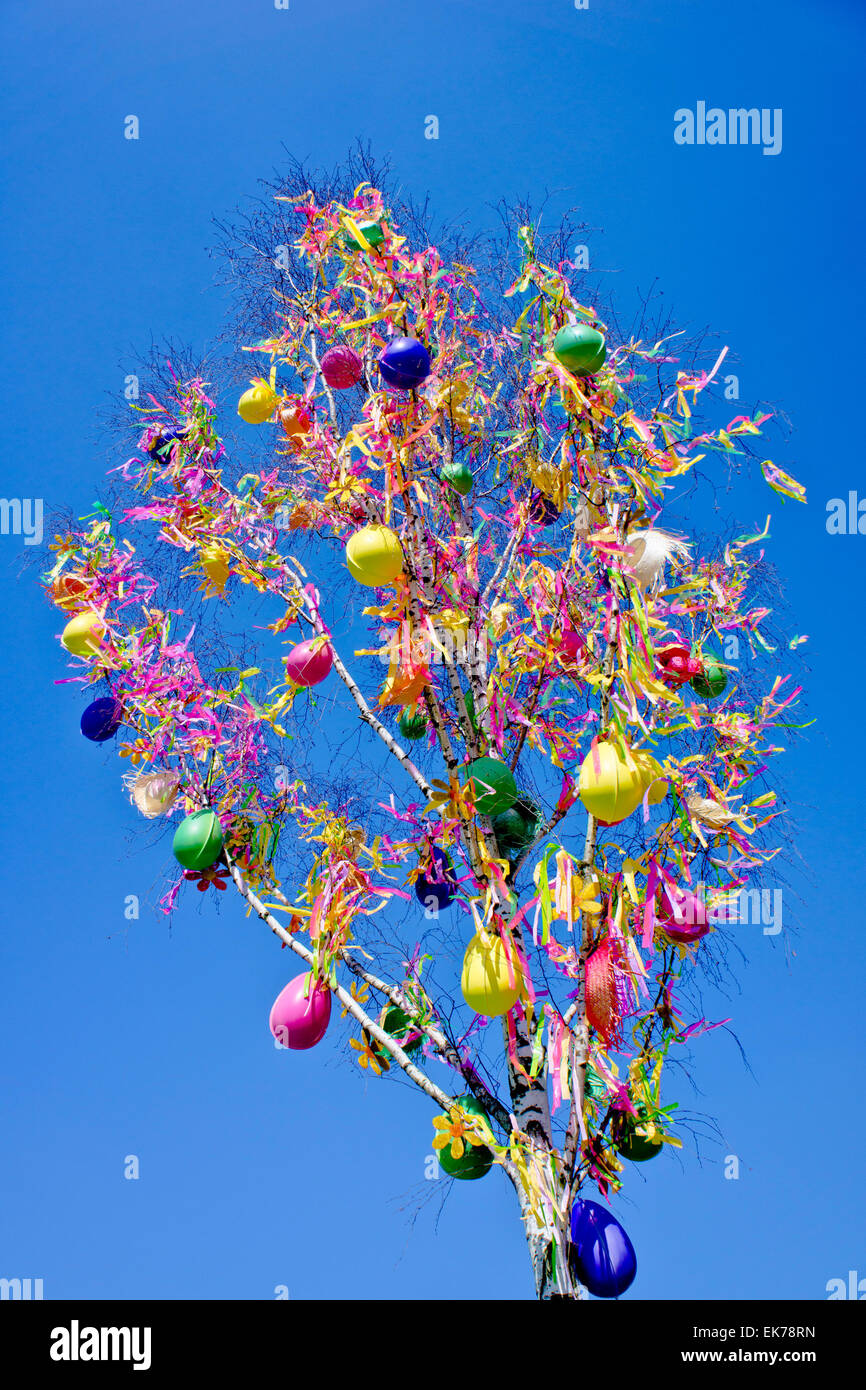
154, 793
162, 448
542, 511
101, 719
214, 560
70, 592
83, 634
676, 664
570, 646
309, 662
294, 419
652, 776
459, 475
517, 827
487, 983
342, 367
370, 231
580, 349
631, 1139
198, 840
257, 405
436, 887
374, 556
476, 1159
412, 725
711, 680
601, 1253
493, 786
400, 1027
614, 789
405, 363
298, 1022
683, 915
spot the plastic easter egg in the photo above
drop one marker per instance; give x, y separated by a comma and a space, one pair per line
631, 1140
570, 646
652, 776
399, 1026
684, 916
594, 1086
257, 404
435, 889
294, 418
371, 232
215, 563
412, 726
614, 790
342, 367
711, 680
154, 793
405, 363
198, 840
309, 662
459, 475
70, 592
299, 1022
374, 556
163, 446
83, 634
101, 719
676, 664
493, 785
542, 511
517, 827
580, 349
601, 1253
485, 981
476, 1159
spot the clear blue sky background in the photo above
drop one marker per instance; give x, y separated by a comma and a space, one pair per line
259, 1168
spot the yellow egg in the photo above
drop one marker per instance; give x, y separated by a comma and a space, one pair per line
374, 555
484, 980
652, 776
214, 562
257, 405
616, 789
83, 634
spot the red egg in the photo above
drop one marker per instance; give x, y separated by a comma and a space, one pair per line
676, 664
309, 662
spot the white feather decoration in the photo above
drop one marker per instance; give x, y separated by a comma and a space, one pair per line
650, 552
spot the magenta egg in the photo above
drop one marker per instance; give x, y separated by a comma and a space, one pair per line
342, 367
683, 916
297, 1022
309, 662
571, 645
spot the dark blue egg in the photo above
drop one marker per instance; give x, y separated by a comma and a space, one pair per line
439, 890
542, 511
405, 363
601, 1253
102, 719
161, 448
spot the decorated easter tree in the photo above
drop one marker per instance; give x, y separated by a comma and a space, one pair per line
556, 783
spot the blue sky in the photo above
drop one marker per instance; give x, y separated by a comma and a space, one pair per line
261, 1169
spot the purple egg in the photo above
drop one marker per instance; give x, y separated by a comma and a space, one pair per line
405, 363
602, 1255
437, 887
542, 510
101, 719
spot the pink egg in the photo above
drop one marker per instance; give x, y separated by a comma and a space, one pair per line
309, 662
683, 916
342, 367
571, 644
297, 1022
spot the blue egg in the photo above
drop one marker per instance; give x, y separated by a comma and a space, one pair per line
440, 890
542, 511
601, 1253
101, 719
405, 363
